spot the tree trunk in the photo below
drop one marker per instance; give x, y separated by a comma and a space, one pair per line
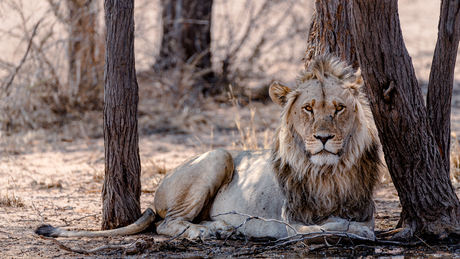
186, 34
441, 79
186, 42
330, 32
122, 186
414, 158
85, 57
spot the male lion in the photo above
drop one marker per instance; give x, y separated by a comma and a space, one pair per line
319, 175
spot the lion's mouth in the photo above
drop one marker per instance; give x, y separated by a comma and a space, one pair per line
325, 157
325, 152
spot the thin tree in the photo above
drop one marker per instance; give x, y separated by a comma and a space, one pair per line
415, 137
122, 186
85, 58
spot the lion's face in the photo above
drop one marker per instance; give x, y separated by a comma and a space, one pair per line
323, 118
322, 113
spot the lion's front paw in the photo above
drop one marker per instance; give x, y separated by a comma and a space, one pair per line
343, 225
360, 230
335, 224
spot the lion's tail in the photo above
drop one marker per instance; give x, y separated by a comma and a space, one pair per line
147, 218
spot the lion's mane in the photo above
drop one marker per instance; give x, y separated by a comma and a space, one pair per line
313, 192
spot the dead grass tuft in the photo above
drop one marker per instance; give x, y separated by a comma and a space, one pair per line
152, 168
98, 176
249, 133
45, 186
151, 175
14, 202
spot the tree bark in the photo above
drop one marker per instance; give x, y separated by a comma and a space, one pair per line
330, 32
85, 62
122, 186
186, 46
417, 167
441, 79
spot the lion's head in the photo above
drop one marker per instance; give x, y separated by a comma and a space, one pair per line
326, 150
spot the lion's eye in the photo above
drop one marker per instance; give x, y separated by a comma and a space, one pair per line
308, 108
339, 108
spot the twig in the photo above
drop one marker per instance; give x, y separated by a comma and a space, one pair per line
255, 217
67, 222
38, 211
178, 235
424, 242
23, 58
388, 233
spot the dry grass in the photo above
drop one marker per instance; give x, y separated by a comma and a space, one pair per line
151, 167
249, 134
14, 202
45, 186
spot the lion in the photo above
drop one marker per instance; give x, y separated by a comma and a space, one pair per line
319, 175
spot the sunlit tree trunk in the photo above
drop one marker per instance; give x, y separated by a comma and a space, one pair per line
122, 187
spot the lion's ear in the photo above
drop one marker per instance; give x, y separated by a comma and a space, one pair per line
278, 93
356, 82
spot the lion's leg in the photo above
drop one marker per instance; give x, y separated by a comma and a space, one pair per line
186, 194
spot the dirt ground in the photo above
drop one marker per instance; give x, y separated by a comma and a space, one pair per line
57, 178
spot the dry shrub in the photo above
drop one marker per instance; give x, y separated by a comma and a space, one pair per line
36, 90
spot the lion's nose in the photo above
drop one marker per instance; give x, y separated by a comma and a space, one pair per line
324, 138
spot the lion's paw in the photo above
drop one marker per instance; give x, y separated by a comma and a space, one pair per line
197, 232
360, 230
209, 229
343, 225
335, 224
